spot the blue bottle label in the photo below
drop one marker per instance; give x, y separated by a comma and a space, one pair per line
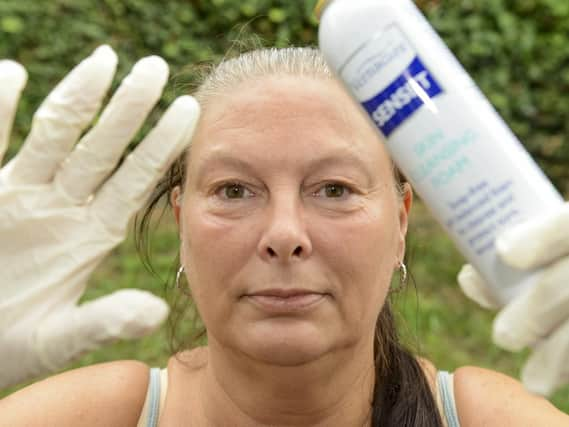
413, 88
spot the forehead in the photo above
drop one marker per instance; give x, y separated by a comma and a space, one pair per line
286, 114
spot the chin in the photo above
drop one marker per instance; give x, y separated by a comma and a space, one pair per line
286, 356
281, 342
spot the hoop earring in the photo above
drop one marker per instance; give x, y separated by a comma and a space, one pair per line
178, 279
402, 278
402, 273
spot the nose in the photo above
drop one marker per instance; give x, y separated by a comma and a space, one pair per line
285, 238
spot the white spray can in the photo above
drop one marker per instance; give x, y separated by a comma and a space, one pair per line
443, 134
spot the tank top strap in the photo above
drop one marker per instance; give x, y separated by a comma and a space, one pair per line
155, 397
445, 389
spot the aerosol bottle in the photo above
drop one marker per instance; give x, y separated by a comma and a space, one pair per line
441, 131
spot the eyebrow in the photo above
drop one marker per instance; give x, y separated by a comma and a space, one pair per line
224, 159
340, 157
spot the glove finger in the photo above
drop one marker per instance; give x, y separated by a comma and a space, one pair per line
475, 288
13, 78
125, 314
100, 150
536, 242
61, 118
127, 190
547, 368
536, 312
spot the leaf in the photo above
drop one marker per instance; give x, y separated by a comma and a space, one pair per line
277, 15
11, 24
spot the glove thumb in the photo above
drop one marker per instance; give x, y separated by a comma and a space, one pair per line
475, 288
124, 314
546, 369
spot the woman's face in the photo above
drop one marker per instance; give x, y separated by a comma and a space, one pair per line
290, 223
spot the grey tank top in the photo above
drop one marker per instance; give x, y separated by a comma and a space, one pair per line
151, 410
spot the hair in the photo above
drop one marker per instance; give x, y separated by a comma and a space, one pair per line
402, 395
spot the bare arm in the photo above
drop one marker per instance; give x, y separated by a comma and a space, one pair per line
100, 395
487, 398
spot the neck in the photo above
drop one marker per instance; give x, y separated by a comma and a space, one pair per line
335, 389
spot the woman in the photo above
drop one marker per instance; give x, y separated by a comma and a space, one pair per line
291, 223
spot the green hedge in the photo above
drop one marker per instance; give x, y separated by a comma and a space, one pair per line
516, 50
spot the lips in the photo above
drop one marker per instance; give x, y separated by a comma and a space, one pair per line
283, 293
285, 300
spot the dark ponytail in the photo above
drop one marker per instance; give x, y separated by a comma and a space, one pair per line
402, 396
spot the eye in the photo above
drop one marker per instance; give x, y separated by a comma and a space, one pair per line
333, 190
233, 190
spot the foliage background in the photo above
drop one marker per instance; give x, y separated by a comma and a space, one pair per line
517, 51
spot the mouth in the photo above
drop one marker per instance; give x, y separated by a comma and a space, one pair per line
281, 301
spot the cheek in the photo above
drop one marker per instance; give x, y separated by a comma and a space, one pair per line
361, 253
214, 250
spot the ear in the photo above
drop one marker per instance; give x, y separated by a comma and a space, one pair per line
404, 211
176, 202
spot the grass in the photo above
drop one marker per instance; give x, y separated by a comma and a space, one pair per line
435, 318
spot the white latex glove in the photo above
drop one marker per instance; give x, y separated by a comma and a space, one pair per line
539, 318
62, 211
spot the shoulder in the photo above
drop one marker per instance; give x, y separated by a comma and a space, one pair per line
488, 398
103, 394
